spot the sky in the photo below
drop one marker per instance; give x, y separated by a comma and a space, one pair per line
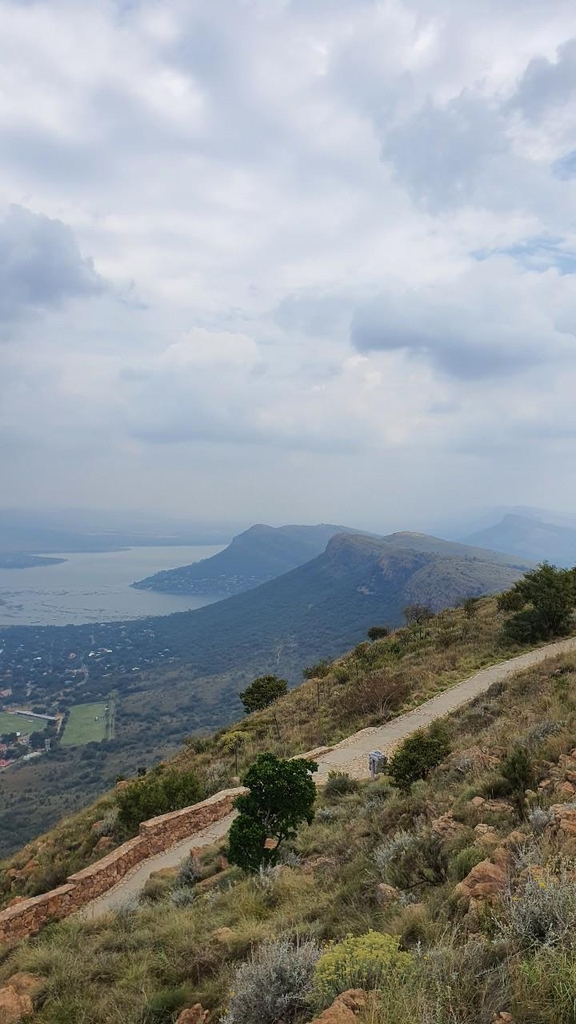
288, 260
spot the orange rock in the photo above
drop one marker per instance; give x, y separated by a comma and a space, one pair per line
344, 1009
193, 1015
26, 984
477, 801
103, 844
485, 881
564, 819
13, 1005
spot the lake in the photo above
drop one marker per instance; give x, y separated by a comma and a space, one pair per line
95, 587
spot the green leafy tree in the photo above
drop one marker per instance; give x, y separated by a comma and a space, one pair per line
418, 755
543, 601
263, 692
281, 796
158, 792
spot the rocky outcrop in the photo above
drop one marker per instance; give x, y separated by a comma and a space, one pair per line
344, 1009
28, 916
446, 827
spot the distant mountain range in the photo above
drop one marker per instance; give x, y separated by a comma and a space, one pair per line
530, 539
259, 554
324, 606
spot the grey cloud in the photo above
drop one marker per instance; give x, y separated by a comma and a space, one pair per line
492, 322
40, 264
441, 153
547, 83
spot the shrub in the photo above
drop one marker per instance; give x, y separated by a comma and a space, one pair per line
539, 818
378, 693
188, 872
263, 692
160, 791
543, 913
339, 784
182, 896
369, 961
317, 671
465, 860
408, 860
272, 987
377, 632
543, 601
517, 770
418, 755
107, 826
162, 1005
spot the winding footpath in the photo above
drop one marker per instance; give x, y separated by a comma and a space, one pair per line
350, 755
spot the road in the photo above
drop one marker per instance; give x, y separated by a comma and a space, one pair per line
350, 755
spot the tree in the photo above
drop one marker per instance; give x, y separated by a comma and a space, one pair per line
263, 692
417, 614
281, 796
233, 743
418, 755
377, 632
543, 601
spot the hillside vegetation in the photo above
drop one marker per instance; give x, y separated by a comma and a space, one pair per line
180, 674
453, 903
365, 687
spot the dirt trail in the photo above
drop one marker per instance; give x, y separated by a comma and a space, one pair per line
350, 755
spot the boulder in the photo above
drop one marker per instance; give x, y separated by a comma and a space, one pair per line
446, 827
498, 807
14, 1005
502, 1018
486, 836
485, 881
477, 802
103, 844
344, 1009
193, 1015
26, 984
564, 822
386, 894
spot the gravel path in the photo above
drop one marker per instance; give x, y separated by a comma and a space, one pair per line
351, 755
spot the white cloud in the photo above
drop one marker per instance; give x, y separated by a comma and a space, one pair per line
336, 233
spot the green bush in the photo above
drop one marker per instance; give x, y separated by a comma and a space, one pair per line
465, 860
418, 755
369, 961
160, 791
340, 784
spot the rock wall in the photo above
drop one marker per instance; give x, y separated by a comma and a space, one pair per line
27, 917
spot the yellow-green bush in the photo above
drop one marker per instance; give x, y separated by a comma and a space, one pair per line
368, 961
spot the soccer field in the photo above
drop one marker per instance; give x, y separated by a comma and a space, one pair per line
88, 723
19, 723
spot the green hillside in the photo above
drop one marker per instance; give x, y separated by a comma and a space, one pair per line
253, 557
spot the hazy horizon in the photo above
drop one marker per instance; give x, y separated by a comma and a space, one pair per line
288, 262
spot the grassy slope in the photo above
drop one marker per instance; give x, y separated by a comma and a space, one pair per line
143, 964
316, 713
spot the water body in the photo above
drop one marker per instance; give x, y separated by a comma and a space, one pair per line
95, 587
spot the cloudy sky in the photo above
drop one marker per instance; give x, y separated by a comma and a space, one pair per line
288, 259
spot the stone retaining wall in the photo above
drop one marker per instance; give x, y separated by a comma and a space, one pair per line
156, 835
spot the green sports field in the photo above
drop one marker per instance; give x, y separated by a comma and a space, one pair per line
88, 723
19, 723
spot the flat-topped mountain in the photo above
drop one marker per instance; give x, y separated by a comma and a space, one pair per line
253, 557
529, 538
322, 607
